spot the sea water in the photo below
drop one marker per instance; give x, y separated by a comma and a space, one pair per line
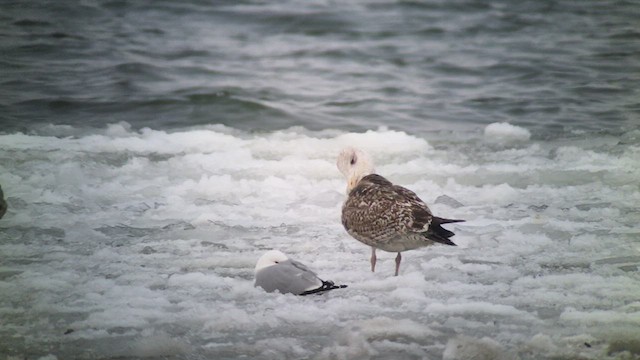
151, 153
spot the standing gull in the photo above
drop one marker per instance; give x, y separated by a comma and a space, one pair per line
383, 215
275, 271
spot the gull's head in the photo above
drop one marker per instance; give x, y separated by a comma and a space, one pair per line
354, 164
270, 258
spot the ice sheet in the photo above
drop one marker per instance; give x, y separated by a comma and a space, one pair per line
124, 243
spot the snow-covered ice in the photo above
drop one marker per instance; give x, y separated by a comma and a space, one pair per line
130, 244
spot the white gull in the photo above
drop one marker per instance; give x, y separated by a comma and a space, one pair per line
276, 272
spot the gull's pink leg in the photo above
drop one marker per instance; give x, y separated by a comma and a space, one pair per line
398, 259
373, 259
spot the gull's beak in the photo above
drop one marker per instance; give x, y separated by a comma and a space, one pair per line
351, 183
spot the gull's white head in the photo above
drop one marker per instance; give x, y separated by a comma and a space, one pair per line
354, 164
270, 258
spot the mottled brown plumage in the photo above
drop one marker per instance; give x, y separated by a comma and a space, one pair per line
386, 216
390, 217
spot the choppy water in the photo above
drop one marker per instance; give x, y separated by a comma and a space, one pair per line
151, 152
552, 66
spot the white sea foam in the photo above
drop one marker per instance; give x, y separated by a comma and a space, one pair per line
124, 243
464, 347
506, 132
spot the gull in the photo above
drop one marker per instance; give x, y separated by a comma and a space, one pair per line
383, 215
275, 271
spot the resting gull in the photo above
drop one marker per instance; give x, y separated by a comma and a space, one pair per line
275, 271
383, 215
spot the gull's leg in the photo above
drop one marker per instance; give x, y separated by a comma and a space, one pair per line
398, 259
373, 259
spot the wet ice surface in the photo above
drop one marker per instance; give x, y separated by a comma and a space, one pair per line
125, 244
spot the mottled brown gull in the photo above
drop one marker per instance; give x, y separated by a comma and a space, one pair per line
383, 215
276, 272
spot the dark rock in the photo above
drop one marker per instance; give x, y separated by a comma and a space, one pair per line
449, 201
3, 204
148, 250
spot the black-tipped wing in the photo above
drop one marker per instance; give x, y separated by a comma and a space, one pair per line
326, 286
424, 221
293, 277
287, 277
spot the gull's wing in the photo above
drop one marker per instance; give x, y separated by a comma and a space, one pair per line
287, 276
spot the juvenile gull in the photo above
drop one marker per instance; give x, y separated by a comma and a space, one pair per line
383, 215
275, 271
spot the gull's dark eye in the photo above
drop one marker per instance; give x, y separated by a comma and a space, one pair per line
353, 160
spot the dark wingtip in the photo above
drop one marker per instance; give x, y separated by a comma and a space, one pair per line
448, 242
439, 234
447, 221
330, 285
326, 286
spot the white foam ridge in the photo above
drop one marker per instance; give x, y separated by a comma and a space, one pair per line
503, 131
124, 243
